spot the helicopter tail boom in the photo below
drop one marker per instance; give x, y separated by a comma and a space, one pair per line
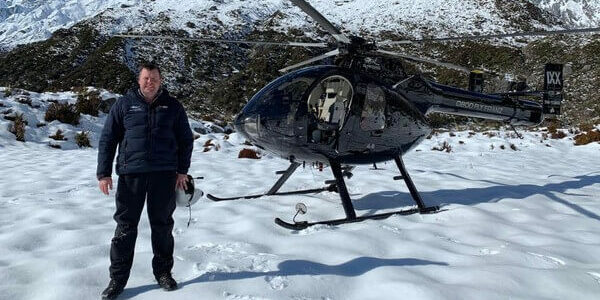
431, 97
503, 107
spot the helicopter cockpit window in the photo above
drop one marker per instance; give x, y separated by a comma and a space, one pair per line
292, 95
329, 101
285, 90
373, 114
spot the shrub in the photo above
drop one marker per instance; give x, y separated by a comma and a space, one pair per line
8, 91
586, 138
559, 134
444, 147
209, 145
88, 103
490, 134
82, 139
586, 127
25, 100
58, 136
248, 153
18, 127
105, 105
63, 112
552, 127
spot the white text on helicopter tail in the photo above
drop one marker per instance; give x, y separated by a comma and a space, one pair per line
479, 107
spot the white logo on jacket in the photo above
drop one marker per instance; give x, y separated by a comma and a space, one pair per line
135, 108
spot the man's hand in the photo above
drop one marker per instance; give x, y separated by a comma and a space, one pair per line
105, 183
182, 180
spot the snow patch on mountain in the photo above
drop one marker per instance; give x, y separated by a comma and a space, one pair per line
577, 13
26, 21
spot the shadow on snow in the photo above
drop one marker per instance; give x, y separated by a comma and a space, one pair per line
394, 199
355, 267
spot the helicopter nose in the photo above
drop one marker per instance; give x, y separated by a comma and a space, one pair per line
247, 125
238, 122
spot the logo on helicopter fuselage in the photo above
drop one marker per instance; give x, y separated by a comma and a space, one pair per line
479, 107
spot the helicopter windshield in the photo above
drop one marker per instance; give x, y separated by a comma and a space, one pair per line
287, 89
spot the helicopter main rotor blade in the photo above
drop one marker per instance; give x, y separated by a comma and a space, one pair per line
313, 13
425, 60
309, 61
489, 36
265, 43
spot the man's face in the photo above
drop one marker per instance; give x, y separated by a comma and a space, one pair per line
149, 81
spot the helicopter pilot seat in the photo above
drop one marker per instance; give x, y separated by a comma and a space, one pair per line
327, 104
330, 113
336, 111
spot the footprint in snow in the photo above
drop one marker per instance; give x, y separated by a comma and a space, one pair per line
554, 260
230, 296
595, 275
449, 239
486, 251
395, 230
219, 261
314, 229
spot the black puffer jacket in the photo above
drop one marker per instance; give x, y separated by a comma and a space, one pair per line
151, 137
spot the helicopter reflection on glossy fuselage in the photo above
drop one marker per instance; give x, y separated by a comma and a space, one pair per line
328, 113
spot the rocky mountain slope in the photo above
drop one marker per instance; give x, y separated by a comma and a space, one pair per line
215, 80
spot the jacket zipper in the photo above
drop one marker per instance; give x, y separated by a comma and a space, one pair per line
150, 120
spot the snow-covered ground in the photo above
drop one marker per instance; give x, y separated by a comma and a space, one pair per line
516, 224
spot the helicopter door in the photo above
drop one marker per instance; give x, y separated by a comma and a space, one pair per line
373, 114
328, 105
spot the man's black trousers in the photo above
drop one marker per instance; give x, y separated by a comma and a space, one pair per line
132, 191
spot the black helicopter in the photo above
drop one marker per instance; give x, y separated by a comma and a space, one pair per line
365, 109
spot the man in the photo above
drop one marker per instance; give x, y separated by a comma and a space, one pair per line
155, 146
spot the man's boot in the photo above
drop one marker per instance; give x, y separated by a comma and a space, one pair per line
166, 282
114, 289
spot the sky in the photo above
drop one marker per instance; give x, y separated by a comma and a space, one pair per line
514, 223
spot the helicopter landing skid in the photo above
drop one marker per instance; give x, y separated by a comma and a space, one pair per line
273, 191
349, 208
329, 188
304, 224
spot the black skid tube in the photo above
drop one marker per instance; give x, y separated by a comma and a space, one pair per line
304, 224
329, 188
351, 217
